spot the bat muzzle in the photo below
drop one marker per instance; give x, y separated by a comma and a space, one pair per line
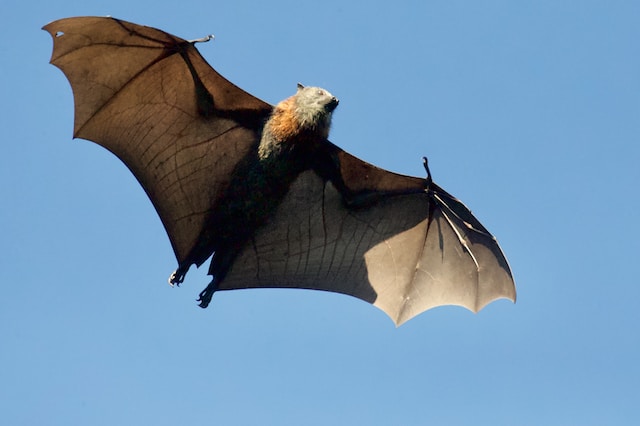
332, 104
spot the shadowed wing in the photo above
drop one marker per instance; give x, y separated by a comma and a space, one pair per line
154, 102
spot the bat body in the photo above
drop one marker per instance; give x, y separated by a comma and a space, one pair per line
260, 189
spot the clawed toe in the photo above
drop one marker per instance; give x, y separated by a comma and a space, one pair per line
177, 277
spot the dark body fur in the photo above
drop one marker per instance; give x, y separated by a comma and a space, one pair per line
288, 146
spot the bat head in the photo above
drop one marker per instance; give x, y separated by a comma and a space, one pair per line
314, 107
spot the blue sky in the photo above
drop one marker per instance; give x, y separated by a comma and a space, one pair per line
528, 111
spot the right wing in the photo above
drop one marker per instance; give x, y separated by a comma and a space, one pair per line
412, 248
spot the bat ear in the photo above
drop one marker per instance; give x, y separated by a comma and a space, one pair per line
300, 87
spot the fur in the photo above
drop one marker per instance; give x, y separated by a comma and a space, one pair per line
260, 182
303, 117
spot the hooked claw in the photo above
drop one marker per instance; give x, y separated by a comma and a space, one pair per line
205, 296
177, 277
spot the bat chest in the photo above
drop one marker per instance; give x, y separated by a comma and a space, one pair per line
254, 193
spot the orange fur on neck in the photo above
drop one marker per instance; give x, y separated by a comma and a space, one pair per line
284, 124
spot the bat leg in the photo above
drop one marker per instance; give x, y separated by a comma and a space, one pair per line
205, 295
177, 277
220, 264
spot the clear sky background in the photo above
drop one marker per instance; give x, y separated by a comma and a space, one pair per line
528, 111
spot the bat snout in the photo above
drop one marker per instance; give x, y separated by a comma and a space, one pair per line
332, 104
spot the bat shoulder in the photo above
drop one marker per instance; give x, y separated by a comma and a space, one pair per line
284, 123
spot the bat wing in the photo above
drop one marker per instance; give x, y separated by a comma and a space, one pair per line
154, 102
412, 248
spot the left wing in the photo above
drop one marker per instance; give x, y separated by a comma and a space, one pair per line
151, 99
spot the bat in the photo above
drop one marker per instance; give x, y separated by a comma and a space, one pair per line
260, 189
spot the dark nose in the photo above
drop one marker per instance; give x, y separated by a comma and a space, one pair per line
332, 104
